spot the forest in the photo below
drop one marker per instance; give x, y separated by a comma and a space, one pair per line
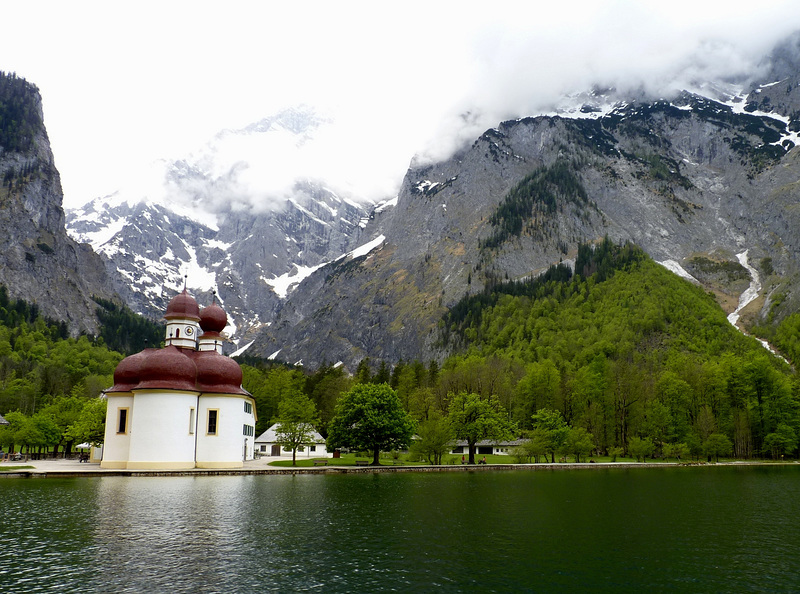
625, 351
20, 118
622, 355
50, 382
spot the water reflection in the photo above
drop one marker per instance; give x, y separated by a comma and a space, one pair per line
709, 529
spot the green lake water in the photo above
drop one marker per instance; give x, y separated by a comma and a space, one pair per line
699, 529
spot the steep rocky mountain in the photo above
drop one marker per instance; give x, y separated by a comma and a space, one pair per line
704, 181
693, 181
40, 263
252, 251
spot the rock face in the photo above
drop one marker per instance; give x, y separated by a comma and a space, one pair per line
40, 263
693, 180
252, 259
686, 178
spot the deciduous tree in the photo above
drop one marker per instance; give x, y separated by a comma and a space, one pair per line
549, 425
296, 416
370, 417
474, 419
435, 438
717, 445
641, 447
578, 442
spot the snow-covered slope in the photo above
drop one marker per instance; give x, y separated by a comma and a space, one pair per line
205, 223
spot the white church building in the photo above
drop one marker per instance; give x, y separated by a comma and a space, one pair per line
181, 406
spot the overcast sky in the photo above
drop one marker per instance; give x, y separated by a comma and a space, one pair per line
127, 83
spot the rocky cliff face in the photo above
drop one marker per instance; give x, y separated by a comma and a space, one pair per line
251, 259
40, 263
688, 180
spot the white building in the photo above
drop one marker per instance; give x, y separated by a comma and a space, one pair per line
266, 445
182, 406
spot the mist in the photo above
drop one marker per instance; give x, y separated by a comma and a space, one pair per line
387, 83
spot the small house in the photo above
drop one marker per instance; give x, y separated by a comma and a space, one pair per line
486, 447
266, 445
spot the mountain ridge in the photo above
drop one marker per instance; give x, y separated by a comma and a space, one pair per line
41, 263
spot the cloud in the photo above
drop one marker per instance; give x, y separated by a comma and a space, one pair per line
129, 84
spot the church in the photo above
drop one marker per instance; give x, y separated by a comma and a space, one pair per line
181, 406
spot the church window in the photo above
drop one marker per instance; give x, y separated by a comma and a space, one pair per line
213, 417
248, 408
191, 421
122, 420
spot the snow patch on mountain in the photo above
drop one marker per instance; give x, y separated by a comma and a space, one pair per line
364, 249
283, 284
676, 268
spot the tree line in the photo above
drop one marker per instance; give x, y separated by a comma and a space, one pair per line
20, 115
632, 359
49, 382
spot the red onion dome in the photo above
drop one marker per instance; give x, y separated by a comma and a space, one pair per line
218, 374
168, 368
213, 318
182, 306
126, 374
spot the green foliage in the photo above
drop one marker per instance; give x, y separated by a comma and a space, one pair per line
90, 425
124, 331
20, 115
625, 349
679, 451
269, 386
578, 442
540, 194
436, 438
474, 418
370, 417
717, 445
782, 441
551, 430
787, 337
640, 448
296, 416
462, 324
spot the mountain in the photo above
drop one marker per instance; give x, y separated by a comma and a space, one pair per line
251, 249
40, 263
699, 184
703, 180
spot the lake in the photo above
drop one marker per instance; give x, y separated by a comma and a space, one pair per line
695, 529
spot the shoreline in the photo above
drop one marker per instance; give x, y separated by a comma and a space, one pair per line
74, 469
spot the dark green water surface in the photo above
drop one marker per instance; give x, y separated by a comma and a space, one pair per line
709, 529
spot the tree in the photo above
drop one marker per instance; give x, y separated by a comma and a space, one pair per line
717, 445
549, 425
533, 447
474, 419
641, 447
11, 434
90, 426
435, 438
296, 416
783, 440
676, 450
370, 417
578, 442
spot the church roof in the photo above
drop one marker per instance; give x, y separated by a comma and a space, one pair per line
213, 318
179, 368
183, 306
